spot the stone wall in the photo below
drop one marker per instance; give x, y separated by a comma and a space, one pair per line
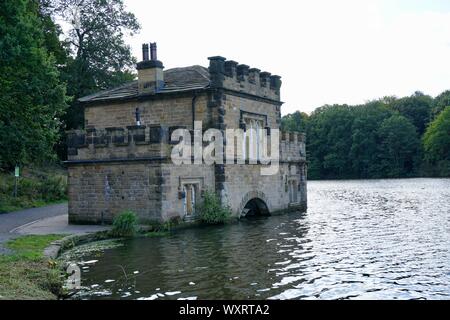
242, 179
113, 143
166, 111
292, 147
245, 182
99, 192
235, 107
174, 177
241, 78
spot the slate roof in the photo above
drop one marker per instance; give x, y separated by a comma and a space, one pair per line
176, 80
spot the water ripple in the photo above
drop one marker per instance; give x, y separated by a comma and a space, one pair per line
383, 239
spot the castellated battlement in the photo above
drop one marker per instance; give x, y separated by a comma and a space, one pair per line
116, 143
229, 74
153, 143
292, 147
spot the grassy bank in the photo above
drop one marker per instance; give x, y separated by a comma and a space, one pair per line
35, 188
26, 274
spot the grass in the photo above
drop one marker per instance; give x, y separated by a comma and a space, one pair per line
26, 274
37, 187
32, 247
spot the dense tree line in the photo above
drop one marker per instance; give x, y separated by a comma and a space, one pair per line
387, 138
45, 69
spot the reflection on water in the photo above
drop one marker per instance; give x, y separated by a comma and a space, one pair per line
384, 239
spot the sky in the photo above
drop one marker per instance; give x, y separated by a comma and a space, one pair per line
326, 51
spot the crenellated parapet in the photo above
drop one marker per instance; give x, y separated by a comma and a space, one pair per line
292, 146
132, 142
153, 142
229, 74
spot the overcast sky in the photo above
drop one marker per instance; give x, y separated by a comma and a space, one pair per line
327, 51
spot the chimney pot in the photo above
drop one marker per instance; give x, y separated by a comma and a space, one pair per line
150, 72
145, 52
153, 54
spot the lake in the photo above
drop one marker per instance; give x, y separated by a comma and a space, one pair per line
369, 239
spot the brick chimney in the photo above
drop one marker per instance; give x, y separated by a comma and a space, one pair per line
150, 72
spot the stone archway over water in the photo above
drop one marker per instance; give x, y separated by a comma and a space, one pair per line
254, 203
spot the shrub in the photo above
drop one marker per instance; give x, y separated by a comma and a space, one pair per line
125, 224
211, 211
35, 187
53, 188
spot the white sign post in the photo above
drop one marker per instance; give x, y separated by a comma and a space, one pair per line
16, 177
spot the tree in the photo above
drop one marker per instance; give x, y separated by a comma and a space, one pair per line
32, 97
416, 108
52, 33
398, 148
329, 142
99, 58
440, 102
436, 143
365, 140
296, 121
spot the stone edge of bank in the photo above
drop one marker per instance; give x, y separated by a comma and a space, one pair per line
57, 247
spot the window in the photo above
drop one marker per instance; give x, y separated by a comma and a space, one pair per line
252, 138
189, 199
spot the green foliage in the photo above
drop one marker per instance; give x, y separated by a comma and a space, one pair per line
52, 33
32, 97
98, 56
365, 139
416, 108
372, 140
398, 148
125, 224
379, 139
296, 121
440, 103
32, 246
26, 274
35, 188
329, 144
436, 143
211, 211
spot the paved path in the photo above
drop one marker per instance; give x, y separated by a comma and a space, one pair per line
56, 225
45, 220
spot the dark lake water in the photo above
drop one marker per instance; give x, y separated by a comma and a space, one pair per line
380, 239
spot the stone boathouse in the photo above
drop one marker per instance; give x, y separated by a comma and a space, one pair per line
122, 159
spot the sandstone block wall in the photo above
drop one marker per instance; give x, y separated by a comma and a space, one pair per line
244, 182
97, 193
166, 111
174, 177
